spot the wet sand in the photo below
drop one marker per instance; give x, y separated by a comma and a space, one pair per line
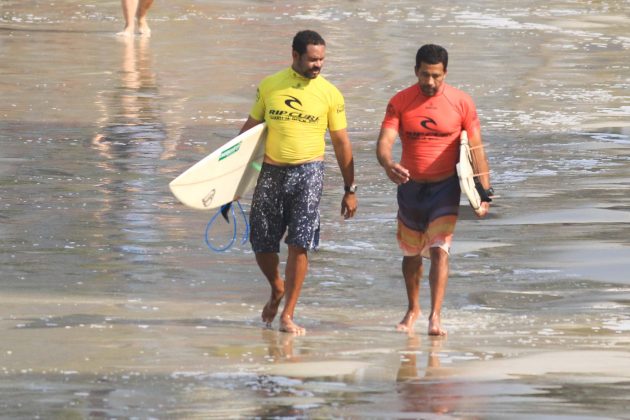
111, 305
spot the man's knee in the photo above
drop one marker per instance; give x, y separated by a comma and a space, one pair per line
297, 250
438, 254
412, 259
413, 263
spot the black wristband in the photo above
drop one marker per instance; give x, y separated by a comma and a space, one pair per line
483, 193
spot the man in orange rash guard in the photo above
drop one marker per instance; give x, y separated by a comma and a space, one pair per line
429, 118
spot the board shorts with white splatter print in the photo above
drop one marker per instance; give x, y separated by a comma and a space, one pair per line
286, 199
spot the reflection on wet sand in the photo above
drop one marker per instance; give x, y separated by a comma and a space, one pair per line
289, 360
130, 131
279, 346
130, 117
424, 390
133, 144
129, 143
132, 139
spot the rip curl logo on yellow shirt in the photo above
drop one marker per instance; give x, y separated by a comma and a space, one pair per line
296, 115
341, 108
292, 101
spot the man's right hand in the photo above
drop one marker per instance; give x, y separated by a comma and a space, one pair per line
397, 173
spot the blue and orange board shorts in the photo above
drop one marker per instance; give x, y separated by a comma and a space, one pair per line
427, 214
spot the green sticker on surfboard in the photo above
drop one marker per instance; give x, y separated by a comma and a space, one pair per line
229, 151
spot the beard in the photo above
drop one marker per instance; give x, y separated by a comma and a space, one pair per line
428, 90
312, 73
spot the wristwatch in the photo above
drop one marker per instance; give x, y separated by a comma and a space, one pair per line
350, 189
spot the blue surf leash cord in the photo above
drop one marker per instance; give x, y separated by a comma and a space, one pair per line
223, 211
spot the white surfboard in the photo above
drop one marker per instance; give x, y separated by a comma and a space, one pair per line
225, 174
466, 174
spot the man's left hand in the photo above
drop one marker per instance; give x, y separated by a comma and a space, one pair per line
348, 205
483, 210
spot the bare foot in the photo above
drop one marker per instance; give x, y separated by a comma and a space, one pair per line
435, 327
127, 32
271, 308
407, 323
143, 28
287, 325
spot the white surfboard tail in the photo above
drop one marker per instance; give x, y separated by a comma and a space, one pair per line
225, 174
465, 172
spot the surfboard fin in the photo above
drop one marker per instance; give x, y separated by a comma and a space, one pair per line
224, 211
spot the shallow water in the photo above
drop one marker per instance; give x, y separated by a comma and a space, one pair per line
112, 306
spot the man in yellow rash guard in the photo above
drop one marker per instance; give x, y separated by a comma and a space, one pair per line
298, 106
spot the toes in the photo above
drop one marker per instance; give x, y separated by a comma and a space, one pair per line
402, 328
292, 328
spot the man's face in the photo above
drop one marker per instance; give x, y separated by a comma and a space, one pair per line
311, 62
430, 77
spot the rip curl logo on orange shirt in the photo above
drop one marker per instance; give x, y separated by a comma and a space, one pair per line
426, 121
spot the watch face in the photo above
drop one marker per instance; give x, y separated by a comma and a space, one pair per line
350, 189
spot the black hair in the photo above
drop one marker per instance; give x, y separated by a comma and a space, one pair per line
432, 54
305, 38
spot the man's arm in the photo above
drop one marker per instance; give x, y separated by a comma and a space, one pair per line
479, 160
251, 122
394, 170
480, 167
343, 153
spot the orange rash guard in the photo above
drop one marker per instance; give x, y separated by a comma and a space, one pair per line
429, 128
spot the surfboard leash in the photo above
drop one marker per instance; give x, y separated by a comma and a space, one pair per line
224, 210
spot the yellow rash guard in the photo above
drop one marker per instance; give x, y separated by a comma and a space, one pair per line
297, 111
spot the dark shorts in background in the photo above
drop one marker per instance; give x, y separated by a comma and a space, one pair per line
427, 213
286, 199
